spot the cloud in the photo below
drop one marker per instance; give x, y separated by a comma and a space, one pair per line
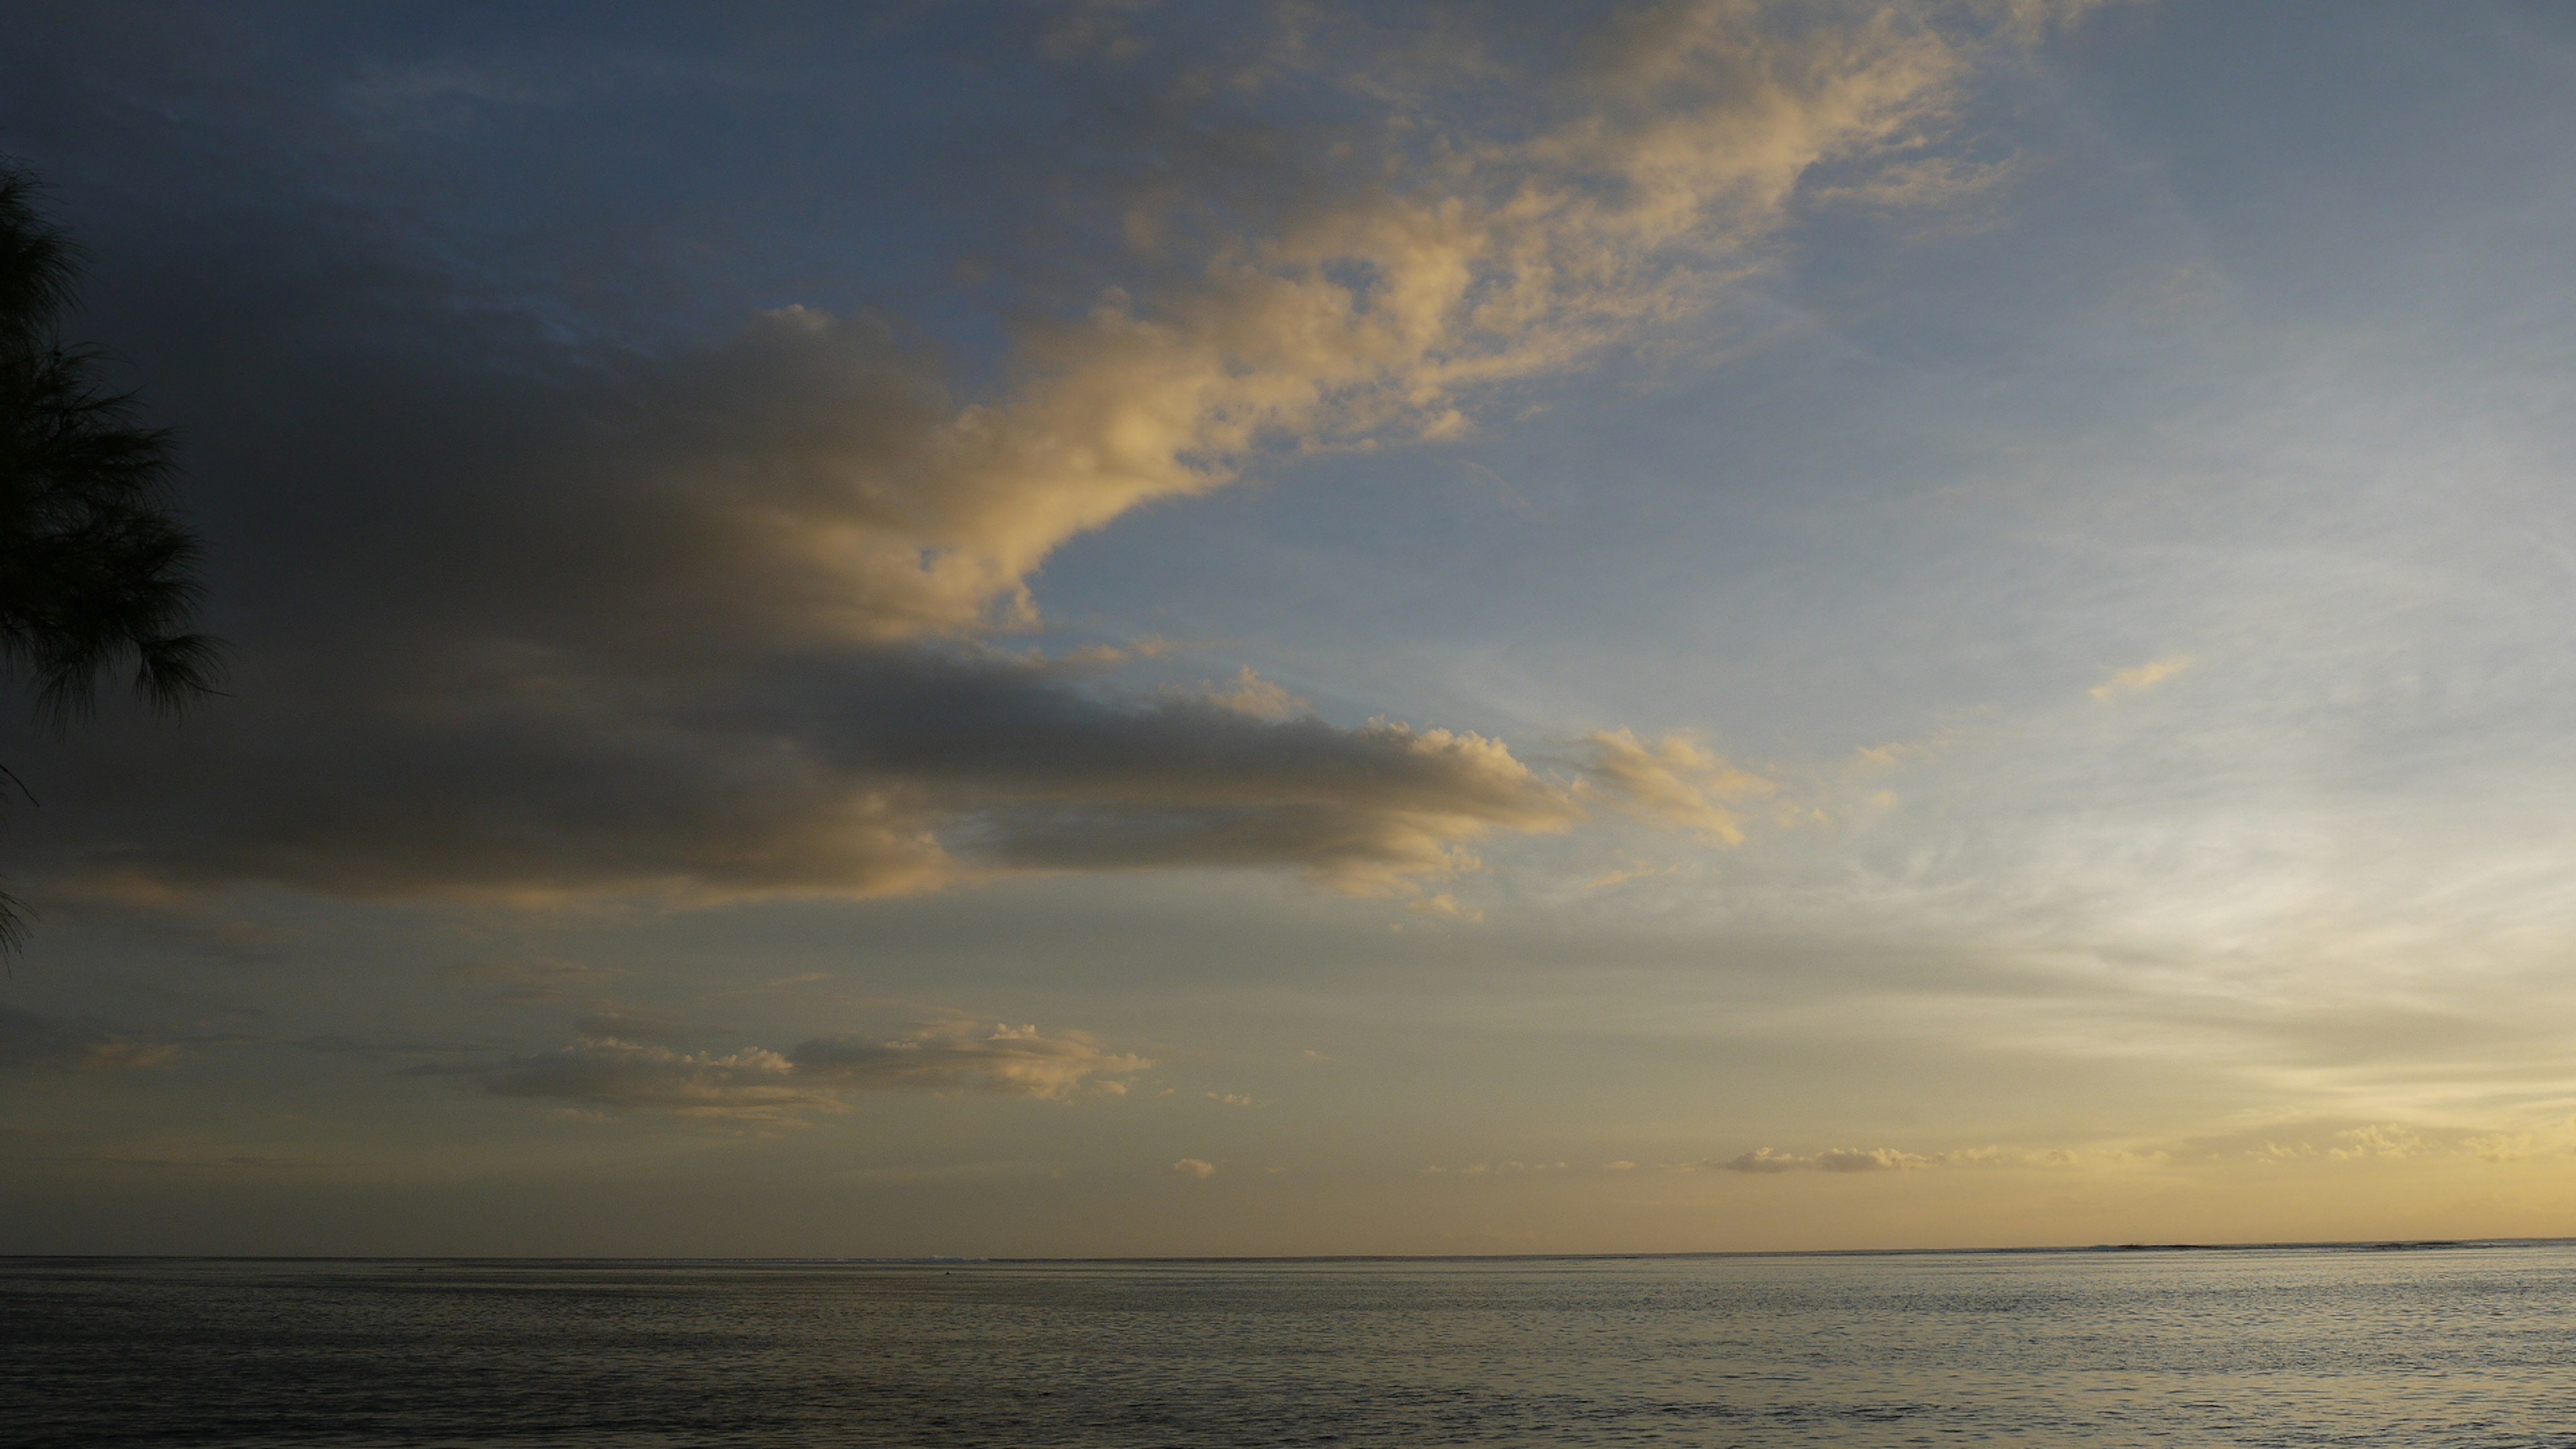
2376, 1141
1875, 1159
952, 1056
2326, 1140
1371, 810
29, 1040
1619, 875
704, 619
1410, 280
2499, 1146
118, 1052
1384, 307
1674, 781
1443, 905
754, 1085
749, 1086
874, 773
1253, 695
2141, 677
1197, 1167
2029, 21
1839, 1159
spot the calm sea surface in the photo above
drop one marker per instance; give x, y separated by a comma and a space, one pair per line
2464, 1346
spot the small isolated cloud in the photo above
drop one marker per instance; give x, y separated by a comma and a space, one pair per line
1674, 781
1445, 906
1762, 1159
2140, 678
1622, 1165
1260, 698
1868, 759
1198, 1167
1229, 1099
953, 1056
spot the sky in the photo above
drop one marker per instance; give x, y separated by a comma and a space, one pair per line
1125, 629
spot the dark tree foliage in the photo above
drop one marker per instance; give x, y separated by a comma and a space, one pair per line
96, 575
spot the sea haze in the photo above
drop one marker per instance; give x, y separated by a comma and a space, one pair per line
2462, 1346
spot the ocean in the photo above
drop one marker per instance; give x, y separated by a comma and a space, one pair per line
2420, 1347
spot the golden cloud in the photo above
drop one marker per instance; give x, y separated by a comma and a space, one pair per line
1436, 269
1674, 781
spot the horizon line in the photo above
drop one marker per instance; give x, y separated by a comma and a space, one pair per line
2369, 1245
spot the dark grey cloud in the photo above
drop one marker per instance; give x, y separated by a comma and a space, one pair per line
860, 772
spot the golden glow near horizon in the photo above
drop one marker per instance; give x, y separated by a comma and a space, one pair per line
1100, 629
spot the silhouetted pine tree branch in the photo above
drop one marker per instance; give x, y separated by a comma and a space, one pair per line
95, 572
